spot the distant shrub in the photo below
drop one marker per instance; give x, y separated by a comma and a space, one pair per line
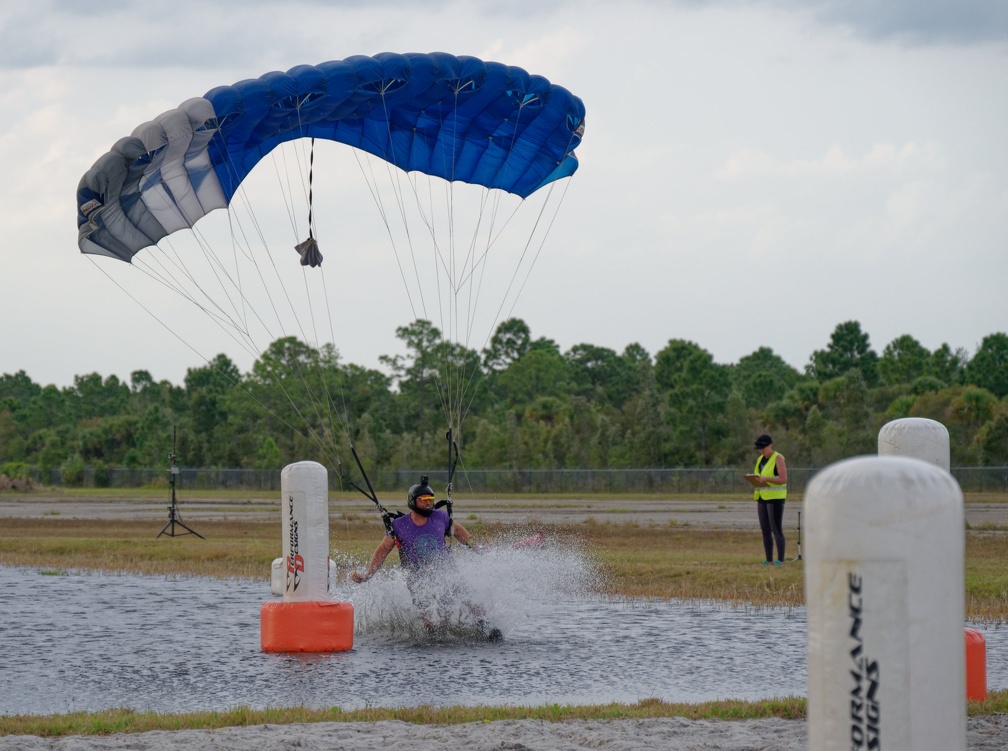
101, 476
900, 407
926, 384
73, 471
16, 470
15, 476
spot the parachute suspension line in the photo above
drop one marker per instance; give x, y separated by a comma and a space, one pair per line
327, 447
371, 180
452, 464
459, 380
472, 388
460, 269
181, 269
155, 266
243, 313
469, 385
266, 287
447, 388
250, 345
449, 329
207, 360
333, 420
286, 190
427, 219
195, 351
466, 391
394, 177
542, 242
394, 180
149, 312
461, 325
455, 371
336, 423
372, 184
321, 402
252, 258
499, 317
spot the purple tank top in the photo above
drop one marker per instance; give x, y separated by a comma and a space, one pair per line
423, 544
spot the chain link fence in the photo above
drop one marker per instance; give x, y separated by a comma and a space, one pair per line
673, 481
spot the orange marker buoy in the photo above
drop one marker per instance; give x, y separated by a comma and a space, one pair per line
306, 626
976, 665
306, 620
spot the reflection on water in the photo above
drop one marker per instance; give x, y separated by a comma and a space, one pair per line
94, 641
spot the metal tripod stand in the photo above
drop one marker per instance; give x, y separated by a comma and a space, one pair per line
174, 520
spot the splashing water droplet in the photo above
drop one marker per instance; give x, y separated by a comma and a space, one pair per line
514, 578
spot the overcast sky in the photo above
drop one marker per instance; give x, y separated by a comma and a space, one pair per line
752, 173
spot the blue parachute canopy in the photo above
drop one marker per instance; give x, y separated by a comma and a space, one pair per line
457, 118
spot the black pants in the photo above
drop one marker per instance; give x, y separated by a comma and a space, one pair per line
771, 521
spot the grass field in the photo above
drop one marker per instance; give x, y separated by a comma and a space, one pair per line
636, 560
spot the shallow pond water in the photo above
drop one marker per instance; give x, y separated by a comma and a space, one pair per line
78, 641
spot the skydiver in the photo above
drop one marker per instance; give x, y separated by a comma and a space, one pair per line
420, 536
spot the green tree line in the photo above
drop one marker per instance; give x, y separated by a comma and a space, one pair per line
528, 405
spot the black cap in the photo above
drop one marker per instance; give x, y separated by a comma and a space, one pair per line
763, 441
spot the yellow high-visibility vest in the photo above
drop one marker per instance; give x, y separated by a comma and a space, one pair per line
774, 491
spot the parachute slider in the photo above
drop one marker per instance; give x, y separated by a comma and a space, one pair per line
310, 253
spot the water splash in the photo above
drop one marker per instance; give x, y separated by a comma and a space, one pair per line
516, 578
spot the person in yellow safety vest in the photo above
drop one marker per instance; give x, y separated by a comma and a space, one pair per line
770, 493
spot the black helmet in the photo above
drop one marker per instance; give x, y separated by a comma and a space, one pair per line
415, 491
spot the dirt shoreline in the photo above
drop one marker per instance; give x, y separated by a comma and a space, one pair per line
699, 512
985, 733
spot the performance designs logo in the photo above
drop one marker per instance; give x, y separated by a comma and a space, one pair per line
90, 206
295, 562
865, 712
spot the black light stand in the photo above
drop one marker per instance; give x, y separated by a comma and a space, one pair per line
173, 515
799, 537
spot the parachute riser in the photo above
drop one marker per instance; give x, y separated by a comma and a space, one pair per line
452, 465
386, 515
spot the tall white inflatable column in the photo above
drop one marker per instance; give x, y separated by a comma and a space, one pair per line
927, 439
885, 598
304, 489
918, 437
306, 620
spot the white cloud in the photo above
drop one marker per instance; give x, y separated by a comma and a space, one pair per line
750, 163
